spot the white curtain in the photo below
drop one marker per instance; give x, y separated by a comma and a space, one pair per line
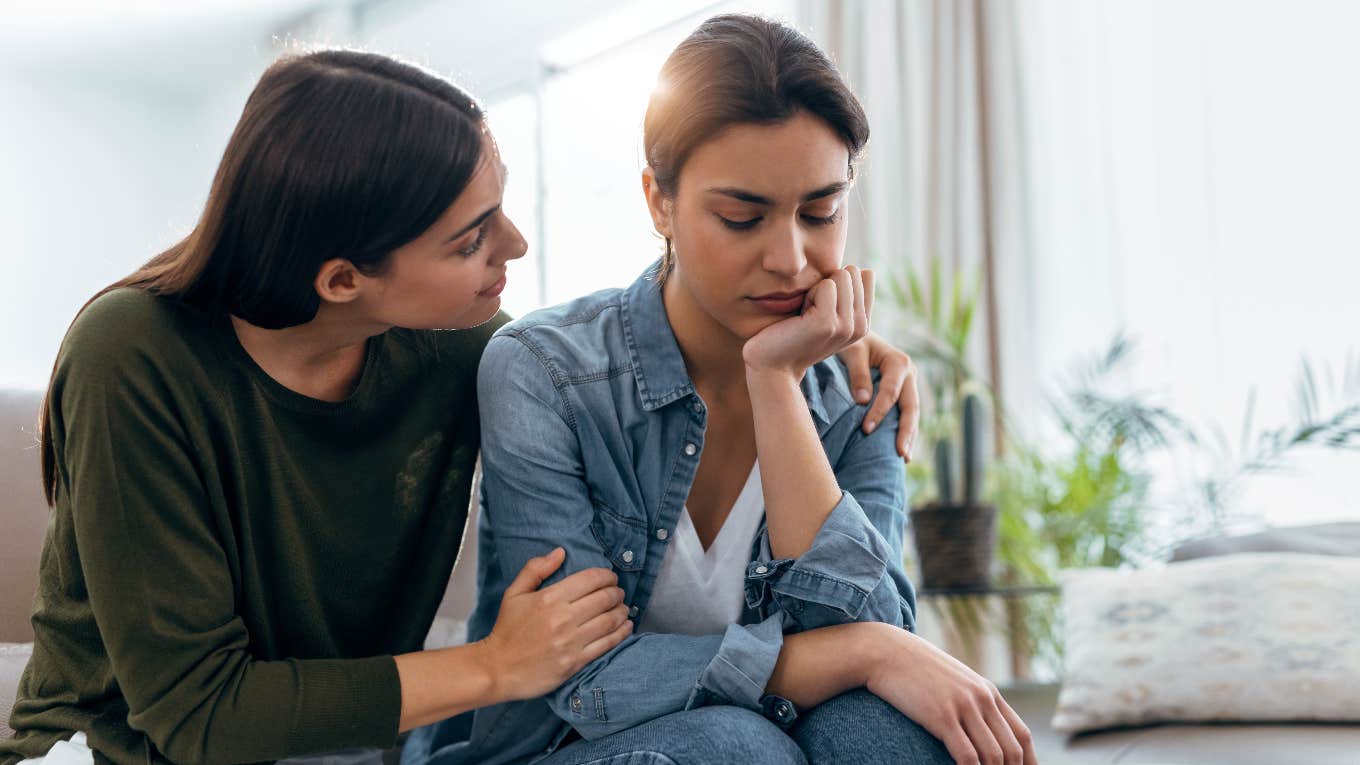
945, 172
1182, 171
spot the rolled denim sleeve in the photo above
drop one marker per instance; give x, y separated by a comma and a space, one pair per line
853, 570
537, 498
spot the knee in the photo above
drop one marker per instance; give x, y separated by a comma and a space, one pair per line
864, 728
738, 735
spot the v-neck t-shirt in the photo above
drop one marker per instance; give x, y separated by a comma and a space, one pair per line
700, 592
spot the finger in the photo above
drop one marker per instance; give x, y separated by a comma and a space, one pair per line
1011, 751
857, 313
892, 374
856, 359
984, 741
958, 744
535, 571
909, 409
1021, 731
821, 301
601, 601
867, 274
600, 647
845, 299
603, 624
582, 583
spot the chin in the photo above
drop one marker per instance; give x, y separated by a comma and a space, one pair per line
480, 315
749, 326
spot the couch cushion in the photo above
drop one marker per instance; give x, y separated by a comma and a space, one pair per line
13, 659
23, 512
1321, 539
1183, 744
1252, 637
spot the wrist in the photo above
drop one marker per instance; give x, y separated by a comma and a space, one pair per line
874, 645
765, 377
488, 673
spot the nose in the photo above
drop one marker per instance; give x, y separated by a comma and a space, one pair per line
784, 251
516, 245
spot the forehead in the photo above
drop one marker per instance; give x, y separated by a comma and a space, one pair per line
785, 159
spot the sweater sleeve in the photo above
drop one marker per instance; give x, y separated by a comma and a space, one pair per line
160, 583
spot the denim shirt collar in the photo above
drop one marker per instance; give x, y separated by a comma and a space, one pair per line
660, 370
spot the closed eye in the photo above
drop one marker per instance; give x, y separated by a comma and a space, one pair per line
476, 245
740, 225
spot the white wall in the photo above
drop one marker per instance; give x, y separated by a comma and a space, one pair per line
95, 180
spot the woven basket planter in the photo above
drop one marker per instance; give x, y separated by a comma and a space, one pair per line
954, 544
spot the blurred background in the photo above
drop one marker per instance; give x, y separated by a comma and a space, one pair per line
1124, 226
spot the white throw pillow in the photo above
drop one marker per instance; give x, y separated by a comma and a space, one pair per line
1256, 636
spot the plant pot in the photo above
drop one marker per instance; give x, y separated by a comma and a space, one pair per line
954, 544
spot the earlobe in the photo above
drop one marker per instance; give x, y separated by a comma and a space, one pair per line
657, 203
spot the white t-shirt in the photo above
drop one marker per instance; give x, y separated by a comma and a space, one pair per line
701, 592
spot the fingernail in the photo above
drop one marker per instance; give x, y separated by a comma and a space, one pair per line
862, 395
869, 426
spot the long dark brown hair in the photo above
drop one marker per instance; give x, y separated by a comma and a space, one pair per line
737, 69
338, 154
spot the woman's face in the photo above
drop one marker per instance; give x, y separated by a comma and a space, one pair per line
757, 219
452, 275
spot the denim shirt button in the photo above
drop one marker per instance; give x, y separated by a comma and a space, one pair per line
782, 710
690, 449
627, 556
632, 612
761, 570
698, 407
576, 703
662, 534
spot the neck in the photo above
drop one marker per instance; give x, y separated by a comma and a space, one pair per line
711, 351
321, 359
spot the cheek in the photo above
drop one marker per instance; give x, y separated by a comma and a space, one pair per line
825, 248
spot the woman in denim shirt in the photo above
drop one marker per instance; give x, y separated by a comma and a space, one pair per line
628, 417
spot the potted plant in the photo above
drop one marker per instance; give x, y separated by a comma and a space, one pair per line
954, 531
955, 534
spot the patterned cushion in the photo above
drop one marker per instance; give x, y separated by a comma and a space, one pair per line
1257, 636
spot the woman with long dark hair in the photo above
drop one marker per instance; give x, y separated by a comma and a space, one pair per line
259, 449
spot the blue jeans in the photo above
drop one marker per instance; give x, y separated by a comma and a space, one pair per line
856, 727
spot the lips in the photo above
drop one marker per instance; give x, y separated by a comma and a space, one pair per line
494, 289
779, 302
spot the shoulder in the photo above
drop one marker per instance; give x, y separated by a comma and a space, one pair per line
129, 327
579, 339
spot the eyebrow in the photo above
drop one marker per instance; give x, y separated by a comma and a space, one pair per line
480, 219
474, 224
746, 196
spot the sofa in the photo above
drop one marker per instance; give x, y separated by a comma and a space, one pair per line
25, 519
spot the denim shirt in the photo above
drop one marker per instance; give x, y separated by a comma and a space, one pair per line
592, 434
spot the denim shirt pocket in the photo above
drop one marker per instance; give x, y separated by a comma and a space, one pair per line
624, 540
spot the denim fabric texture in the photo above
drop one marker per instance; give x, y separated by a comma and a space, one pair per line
592, 434
855, 728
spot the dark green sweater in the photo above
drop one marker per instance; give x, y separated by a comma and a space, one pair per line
230, 565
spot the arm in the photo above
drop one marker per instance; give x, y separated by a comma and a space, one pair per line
834, 536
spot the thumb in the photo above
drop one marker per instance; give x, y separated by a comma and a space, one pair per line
535, 571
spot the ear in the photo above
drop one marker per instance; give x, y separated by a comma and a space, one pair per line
658, 204
337, 281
